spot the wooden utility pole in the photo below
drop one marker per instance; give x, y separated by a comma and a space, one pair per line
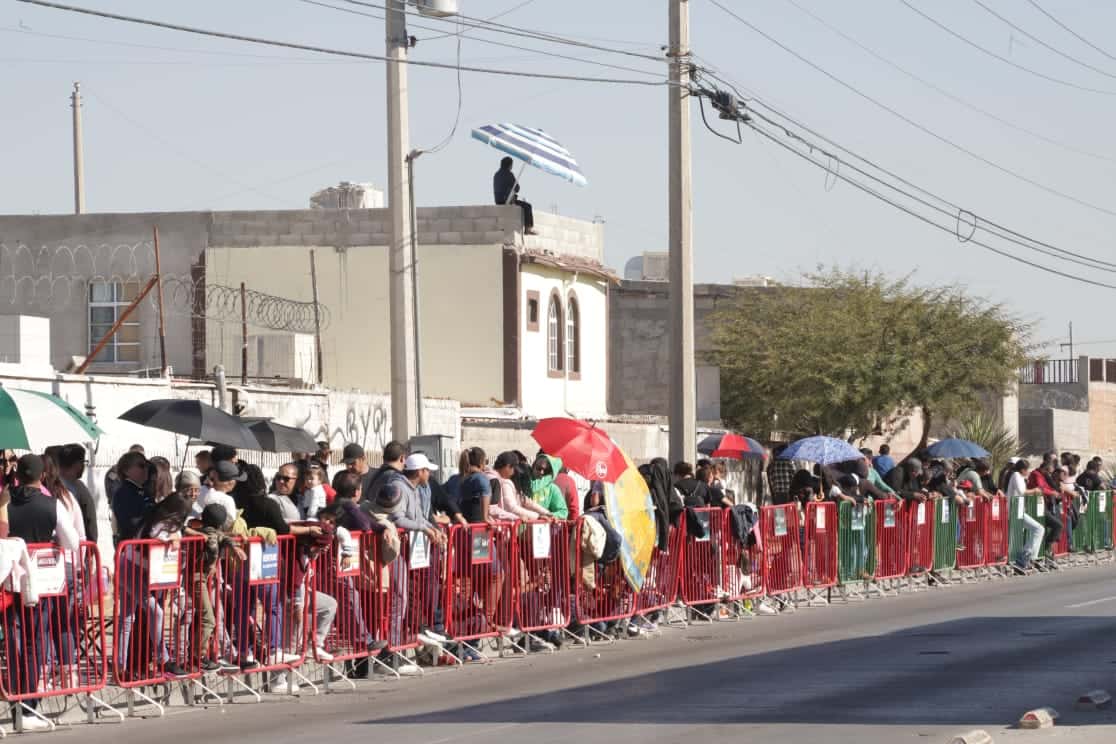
683, 383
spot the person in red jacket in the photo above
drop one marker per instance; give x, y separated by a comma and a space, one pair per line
566, 485
1043, 479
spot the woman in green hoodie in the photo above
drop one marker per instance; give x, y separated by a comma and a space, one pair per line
544, 492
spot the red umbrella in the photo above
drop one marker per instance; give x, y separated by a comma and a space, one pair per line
730, 445
584, 449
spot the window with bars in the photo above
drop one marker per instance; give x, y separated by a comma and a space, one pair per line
107, 302
573, 336
554, 334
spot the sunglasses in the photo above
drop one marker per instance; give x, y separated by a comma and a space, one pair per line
286, 478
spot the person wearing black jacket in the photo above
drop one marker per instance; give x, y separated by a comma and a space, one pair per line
694, 492
71, 466
505, 189
130, 503
1090, 480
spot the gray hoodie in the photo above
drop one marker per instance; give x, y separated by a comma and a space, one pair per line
399, 501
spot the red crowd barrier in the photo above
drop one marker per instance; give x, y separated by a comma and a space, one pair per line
920, 531
263, 606
973, 547
820, 548
349, 572
543, 599
609, 597
999, 532
55, 646
891, 540
155, 611
480, 597
702, 580
410, 589
782, 555
660, 585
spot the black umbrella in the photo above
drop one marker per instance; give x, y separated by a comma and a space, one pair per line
193, 419
275, 437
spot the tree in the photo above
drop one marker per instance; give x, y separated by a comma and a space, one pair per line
847, 353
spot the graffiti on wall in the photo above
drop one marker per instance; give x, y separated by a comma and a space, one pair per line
364, 422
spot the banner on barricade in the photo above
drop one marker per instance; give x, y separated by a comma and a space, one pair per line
420, 550
540, 541
49, 569
481, 545
263, 563
164, 562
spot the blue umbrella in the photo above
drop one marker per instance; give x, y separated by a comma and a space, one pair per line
532, 146
950, 448
822, 450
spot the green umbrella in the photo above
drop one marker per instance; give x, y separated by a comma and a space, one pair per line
34, 421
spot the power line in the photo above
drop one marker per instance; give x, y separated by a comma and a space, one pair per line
1007, 60
337, 52
457, 117
1043, 44
501, 14
955, 98
500, 28
917, 125
1069, 30
491, 41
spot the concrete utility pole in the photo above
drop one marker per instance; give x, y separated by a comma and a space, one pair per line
404, 394
683, 384
79, 157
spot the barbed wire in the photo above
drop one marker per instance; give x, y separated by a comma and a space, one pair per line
54, 278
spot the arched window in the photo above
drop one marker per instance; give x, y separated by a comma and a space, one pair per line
573, 336
554, 351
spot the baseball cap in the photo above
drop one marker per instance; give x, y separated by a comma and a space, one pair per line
418, 461
965, 485
29, 468
351, 453
214, 515
226, 471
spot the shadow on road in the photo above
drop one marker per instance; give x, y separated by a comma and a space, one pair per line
981, 671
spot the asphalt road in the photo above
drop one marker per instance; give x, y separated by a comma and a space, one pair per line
914, 668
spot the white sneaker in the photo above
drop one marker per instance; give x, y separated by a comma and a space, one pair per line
513, 633
407, 669
284, 658
33, 723
280, 685
322, 655
765, 609
427, 636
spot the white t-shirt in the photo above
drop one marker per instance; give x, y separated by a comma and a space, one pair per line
213, 496
1017, 485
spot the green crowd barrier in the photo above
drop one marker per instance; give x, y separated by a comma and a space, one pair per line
856, 542
945, 534
1018, 538
1100, 503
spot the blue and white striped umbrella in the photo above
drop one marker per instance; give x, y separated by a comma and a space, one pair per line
532, 146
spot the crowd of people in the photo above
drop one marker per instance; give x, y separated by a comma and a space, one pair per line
225, 500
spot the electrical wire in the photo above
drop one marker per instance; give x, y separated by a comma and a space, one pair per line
480, 24
492, 42
912, 122
955, 98
501, 14
1043, 44
1069, 30
338, 52
923, 218
1007, 60
457, 117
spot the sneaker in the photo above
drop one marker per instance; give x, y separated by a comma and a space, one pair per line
513, 633
210, 666
634, 630
427, 633
283, 657
538, 645
468, 655
281, 685
174, 671
765, 609
248, 665
407, 669
375, 644
34, 723
227, 666
322, 655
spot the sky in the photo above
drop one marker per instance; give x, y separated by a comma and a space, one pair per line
180, 122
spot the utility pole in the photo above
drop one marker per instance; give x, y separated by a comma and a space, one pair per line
404, 394
317, 316
79, 156
683, 393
